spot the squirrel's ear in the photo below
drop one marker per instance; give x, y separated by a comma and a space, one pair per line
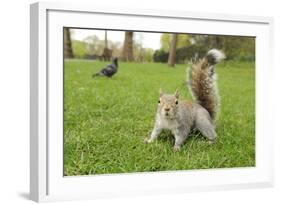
177, 93
161, 92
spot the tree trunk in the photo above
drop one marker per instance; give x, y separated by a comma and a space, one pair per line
128, 54
105, 39
107, 53
68, 53
172, 51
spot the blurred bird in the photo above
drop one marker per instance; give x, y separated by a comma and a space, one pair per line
109, 70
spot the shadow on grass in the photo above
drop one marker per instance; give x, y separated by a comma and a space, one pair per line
166, 136
24, 195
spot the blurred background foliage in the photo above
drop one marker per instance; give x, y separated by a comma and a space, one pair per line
174, 48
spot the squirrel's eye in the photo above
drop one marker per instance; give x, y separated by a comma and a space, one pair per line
158, 101
177, 102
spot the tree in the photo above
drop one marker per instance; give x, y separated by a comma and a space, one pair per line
138, 47
172, 52
67, 51
107, 53
105, 39
116, 48
234, 47
128, 54
93, 45
165, 42
148, 54
160, 56
183, 40
79, 49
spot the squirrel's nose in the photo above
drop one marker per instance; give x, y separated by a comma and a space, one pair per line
167, 109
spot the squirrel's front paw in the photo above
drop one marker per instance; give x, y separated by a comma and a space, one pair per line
177, 148
211, 142
147, 140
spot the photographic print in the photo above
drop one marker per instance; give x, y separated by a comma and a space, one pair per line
137, 101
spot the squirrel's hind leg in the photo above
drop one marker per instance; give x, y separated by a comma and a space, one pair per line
204, 124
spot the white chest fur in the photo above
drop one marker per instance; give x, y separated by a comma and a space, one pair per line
167, 123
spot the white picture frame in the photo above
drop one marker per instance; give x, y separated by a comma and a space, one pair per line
47, 182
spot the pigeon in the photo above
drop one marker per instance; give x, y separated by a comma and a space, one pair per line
109, 70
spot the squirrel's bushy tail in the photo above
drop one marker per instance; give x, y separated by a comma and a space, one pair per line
202, 81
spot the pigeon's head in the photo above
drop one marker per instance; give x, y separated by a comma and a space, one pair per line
115, 61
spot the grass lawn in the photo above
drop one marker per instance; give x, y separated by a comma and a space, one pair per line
107, 120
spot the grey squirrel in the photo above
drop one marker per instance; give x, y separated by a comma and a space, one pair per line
182, 116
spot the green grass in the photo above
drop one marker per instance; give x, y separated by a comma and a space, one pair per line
107, 120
